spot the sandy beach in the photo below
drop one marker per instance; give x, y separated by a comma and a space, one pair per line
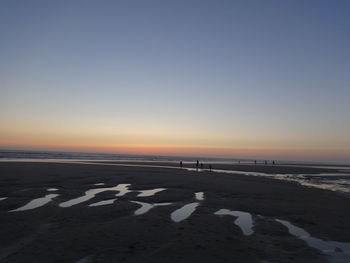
111, 227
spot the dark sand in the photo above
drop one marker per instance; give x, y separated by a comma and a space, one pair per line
112, 233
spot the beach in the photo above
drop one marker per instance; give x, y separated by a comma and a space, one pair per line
81, 224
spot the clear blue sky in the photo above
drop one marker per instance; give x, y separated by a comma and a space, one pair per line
238, 78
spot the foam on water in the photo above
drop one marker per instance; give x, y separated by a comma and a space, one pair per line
3, 198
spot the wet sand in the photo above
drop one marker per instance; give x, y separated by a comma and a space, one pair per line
113, 233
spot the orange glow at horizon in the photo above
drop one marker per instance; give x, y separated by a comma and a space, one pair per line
167, 142
185, 150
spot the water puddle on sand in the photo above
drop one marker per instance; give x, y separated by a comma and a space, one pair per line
36, 203
187, 210
3, 198
199, 196
145, 207
244, 220
339, 251
104, 202
145, 193
184, 212
52, 189
89, 194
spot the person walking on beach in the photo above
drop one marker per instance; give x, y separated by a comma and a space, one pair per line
210, 167
181, 164
255, 162
273, 163
197, 164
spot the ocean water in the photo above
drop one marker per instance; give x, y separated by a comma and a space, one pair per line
54, 155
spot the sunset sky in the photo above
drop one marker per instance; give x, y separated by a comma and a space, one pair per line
245, 79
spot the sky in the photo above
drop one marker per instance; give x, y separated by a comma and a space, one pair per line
246, 79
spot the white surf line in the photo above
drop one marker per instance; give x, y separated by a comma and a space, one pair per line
145, 193
104, 202
98, 184
244, 220
145, 207
91, 193
187, 210
3, 198
339, 251
36, 203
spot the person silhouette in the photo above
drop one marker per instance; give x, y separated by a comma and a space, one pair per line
181, 164
273, 163
265, 162
255, 162
197, 164
210, 167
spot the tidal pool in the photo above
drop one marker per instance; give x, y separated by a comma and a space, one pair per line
145, 207
36, 203
89, 194
244, 220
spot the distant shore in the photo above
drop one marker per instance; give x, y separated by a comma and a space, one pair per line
112, 233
